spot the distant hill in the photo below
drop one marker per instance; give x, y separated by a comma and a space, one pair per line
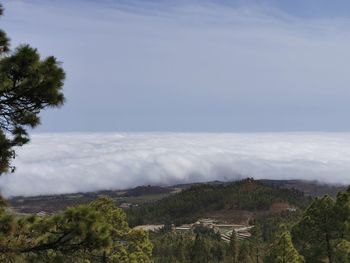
148, 190
246, 196
312, 188
54, 203
151, 194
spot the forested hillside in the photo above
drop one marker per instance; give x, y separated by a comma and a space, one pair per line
196, 201
318, 233
285, 226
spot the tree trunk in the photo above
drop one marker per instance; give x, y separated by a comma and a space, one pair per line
104, 257
329, 250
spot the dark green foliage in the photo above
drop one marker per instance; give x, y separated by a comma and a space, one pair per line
202, 246
322, 234
232, 251
341, 251
89, 232
207, 232
28, 85
319, 234
172, 247
200, 251
4, 40
6, 152
342, 213
99, 232
317, 228
256, 244
190, 204
211, 242
243, 253
282, 250
269, 223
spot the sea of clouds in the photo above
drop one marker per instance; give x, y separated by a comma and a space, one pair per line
75, 162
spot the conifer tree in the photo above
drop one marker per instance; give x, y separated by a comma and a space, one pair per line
342, 213
283, 251
200, 250
256, 242
342, 251
28, 85
233, 247
243, 253
97, 232
127, 244
314, 233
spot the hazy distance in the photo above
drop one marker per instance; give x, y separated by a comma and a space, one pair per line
67, 163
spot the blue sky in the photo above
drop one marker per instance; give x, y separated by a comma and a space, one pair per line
193, 66
186, 66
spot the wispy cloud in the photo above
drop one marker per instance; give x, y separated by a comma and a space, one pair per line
66, 163
189, 65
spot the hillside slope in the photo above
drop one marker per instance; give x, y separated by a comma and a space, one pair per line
246, 196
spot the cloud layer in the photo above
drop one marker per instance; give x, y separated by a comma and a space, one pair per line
74, 162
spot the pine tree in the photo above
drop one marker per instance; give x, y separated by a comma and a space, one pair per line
243, 253
283, 251
342, 251
200, 251
342, 212
28, 85
256, 242
127, 244
87, 232
233, 247
314, 233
